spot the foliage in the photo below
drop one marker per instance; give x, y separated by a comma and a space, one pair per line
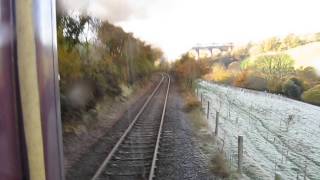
312, 95
262, 66
247, 64
290, 41
219, 166
71, 28
69, 66
292, 88
256, 82
307, 73
274, 66
103, 62
241, 79
187, 69
220, 74
271, 44
240, 53
191, 102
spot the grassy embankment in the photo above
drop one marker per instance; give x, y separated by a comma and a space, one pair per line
217, 162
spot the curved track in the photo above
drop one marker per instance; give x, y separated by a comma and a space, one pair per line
134, 156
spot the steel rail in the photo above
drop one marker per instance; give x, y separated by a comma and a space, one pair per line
114, 149
155, 155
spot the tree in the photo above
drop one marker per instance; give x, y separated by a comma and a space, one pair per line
240, 53
220, 74
71, 28
271, 44
290, 41
187, 69
275, 66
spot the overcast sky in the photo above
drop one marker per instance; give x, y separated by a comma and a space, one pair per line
177, 25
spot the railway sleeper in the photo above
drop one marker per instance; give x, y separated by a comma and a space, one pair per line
126, 176
143, 135
131, 171
146, 151
130, 157
137, 146
146, 126
129, 163
131, 142
149, 124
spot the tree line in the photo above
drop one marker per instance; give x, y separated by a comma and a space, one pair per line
96, 59
263, 66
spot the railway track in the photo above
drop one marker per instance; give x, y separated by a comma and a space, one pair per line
134, 156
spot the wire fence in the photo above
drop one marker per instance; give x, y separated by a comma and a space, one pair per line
277, 143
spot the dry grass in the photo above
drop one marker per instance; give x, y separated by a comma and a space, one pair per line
191, 102
207, 142
219, 166
198, 122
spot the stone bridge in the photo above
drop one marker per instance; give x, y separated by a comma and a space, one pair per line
211, 47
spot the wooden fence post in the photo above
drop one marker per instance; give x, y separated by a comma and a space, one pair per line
217, 124
305, 172
240, 153
201, 99
208, 110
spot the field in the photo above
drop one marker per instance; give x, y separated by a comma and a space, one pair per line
281, 135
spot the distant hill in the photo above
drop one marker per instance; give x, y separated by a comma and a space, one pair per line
306, 55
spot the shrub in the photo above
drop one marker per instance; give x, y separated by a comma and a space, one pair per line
241, 79
191, 103
256, 83
219, 166
312, 95
275, 86
292, 88
220, 74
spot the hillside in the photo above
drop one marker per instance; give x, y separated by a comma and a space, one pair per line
306, 55
281, 135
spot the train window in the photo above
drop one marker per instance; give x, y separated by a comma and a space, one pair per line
159, 89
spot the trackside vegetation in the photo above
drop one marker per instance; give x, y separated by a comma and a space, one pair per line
264, 66
98, 59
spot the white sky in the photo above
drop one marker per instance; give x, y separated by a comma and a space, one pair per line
177, 25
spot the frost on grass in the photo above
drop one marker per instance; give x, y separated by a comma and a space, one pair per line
281, 136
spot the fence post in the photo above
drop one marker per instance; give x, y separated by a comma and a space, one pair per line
208, 110
217, 124
305, 173
240, 153
201, 99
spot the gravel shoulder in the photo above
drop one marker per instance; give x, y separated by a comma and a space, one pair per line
180, 154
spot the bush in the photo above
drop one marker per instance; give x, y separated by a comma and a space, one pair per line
256, 83
241, 79
275, 86
250, 80
191, 103
292, 88
220, 74
219, 166
312, 95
